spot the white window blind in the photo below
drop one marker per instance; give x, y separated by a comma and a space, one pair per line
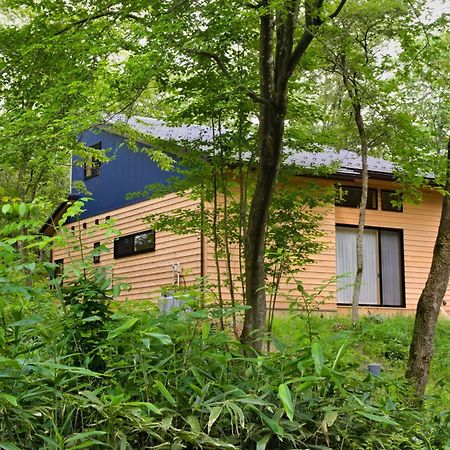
382, 279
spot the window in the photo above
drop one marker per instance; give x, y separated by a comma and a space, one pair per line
96, 253
58, 272
351, 197
134, 244
59, 268
391, 201
91, 164
382, 281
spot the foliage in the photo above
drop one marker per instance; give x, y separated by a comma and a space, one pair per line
177, 380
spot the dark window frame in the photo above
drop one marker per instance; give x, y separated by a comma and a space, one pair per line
402, 266
92, 163
369, 191
391, 208
132, 251
96, 258
58, 271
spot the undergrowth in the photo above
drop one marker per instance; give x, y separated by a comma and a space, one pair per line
76, 373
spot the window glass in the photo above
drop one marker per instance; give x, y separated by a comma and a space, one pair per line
144, 241
123, 246
59, 269
382, 281
391, 267
96, 256
351, 197
391, 201
134, 243
92, 165
58, 272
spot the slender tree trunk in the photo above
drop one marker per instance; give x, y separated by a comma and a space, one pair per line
351, 87
362, 215
430, 302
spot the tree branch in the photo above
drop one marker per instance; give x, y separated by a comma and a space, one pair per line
85, 20
338, 9
312, 21
224, 69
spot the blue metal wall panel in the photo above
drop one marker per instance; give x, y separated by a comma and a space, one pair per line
127, 171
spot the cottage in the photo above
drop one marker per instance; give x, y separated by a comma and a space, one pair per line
398, 240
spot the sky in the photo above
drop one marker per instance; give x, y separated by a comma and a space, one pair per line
439, 7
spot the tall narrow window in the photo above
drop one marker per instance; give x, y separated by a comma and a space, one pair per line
96, 253
58, 272
91, 164
382, 281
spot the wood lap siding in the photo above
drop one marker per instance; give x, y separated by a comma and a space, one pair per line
320, 271
147, 273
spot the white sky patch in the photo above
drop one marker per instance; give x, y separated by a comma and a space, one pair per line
437, 8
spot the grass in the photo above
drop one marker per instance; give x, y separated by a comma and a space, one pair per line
377, 338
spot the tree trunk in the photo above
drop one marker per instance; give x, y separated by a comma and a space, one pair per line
274, 76
352, 91
270, 139
362, 213
360, 237
422, 343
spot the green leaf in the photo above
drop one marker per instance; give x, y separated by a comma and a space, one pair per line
86, 434
194, 423
166, 422
22, 209
213, 416
330, 417
205, 330
274, 426
377, 418
124, 327
8, 446
148, 405
163, 338
261, 444
73, 369
284, 394
10, 399
165, 393
317, 356
26, 322
87, 444
239, 414
6, 208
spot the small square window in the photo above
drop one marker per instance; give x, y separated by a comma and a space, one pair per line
351, 197
391, 201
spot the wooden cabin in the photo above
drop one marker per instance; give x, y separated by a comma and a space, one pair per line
398, 240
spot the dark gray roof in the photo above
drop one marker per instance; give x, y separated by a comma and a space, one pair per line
159, 129
349, 163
